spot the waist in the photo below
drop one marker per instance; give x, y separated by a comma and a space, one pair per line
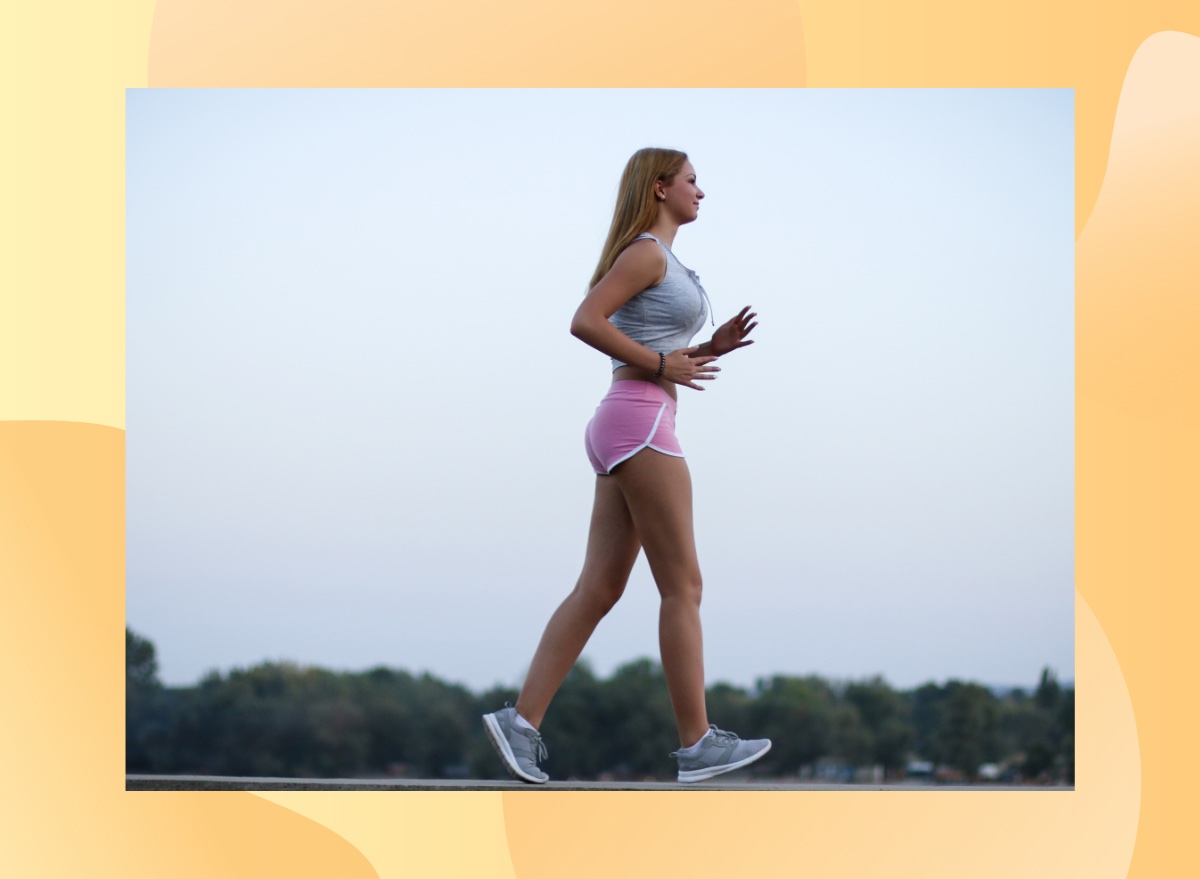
633, 375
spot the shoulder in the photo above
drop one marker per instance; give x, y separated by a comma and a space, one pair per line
644, 259
640, 266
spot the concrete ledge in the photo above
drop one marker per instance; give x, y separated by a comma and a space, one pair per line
225, 782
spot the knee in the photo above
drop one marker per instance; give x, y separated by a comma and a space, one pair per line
600, 596
688, 589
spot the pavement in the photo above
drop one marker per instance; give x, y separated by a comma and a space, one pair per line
224, 782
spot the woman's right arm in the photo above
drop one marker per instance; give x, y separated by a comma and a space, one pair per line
639, 266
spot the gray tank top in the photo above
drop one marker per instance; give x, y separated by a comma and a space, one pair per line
666, 316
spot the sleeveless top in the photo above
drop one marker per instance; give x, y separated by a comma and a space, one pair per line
664, 317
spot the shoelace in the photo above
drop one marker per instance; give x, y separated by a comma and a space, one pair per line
542, 753
725, 737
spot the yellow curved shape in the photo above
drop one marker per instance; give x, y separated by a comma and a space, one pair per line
64, 810
1138, 424
453, 833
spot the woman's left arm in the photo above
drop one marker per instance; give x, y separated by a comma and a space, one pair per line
730, 335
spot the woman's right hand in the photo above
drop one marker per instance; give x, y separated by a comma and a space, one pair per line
683, 369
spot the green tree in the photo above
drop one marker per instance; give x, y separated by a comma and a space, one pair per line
579, 711
926, 707
796, 714
636, 706
146, 710
141, 666
968, 733
289, 720
1066, 726
729, 707
850, 740
885, 715
1048, 692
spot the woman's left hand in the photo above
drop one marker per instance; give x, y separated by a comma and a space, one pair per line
732, 334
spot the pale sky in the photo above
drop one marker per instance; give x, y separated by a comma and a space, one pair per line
356, 414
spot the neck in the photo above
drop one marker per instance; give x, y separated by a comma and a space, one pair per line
664, 230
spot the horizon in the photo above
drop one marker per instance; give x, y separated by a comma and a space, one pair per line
833, 681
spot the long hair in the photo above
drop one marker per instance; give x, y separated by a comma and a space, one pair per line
636, 209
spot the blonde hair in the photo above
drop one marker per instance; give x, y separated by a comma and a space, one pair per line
636, 209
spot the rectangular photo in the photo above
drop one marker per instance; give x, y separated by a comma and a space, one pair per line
595, 438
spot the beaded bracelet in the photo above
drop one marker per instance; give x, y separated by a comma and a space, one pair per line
662, 364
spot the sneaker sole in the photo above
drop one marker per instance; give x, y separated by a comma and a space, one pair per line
496, 737
691, 776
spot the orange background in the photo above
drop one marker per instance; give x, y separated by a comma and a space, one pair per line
1135, 69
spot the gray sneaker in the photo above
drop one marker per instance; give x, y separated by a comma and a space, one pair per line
518, 747
719, 752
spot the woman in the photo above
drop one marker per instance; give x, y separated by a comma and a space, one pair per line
642, 310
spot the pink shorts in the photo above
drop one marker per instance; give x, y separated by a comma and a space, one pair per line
633, 415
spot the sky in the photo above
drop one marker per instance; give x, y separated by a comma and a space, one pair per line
355, 412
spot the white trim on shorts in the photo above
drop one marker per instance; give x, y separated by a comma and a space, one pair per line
646, 445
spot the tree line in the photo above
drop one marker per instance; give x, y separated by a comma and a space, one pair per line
282, 719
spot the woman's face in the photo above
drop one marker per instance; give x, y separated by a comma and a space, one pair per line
682, 195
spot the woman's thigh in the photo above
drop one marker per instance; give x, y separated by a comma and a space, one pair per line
612, 545
658, 492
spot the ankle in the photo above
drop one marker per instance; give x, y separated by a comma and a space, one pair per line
687, 741
523, 718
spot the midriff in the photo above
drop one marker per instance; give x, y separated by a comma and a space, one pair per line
634, 373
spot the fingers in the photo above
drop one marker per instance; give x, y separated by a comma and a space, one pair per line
685, 369
695, 369
742, 322
746, 326
698, 377
686, 372
701, 375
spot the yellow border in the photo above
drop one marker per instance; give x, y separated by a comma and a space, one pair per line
62, 438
